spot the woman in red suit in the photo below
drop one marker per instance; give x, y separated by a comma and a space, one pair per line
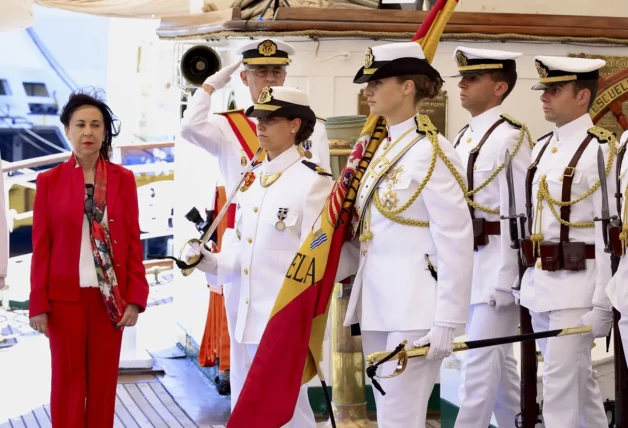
87, 277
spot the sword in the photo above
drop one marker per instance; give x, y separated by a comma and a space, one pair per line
606, 214
188, 268
377, 357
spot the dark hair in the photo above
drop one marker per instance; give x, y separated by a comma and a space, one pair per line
507, 76
305, 130
592, 85
82, 98
424, 86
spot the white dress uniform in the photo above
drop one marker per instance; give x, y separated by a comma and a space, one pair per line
617, 289
558, 299
274, 216
490, 381
213, 133
395, 296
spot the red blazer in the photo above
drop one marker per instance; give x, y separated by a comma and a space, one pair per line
57, 228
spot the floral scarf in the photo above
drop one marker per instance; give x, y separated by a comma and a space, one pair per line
101, 244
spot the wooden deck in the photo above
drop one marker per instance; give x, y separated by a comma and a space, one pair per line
141, 402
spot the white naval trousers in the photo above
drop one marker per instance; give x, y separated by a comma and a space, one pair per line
405, 402
303, 414
490, 381
571, 397
623, 332
239, 360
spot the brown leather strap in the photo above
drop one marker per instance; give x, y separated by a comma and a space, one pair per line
589, 251
529, 178
460, 135
473, 156
565, 211
618, 196
493, 228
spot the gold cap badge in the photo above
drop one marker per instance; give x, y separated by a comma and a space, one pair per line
461, 59
541, 69
265, 96
267, 48
368, 58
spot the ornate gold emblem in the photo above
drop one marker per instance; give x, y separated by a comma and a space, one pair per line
390, 199
461, 59
368, 58
393, 174
541, 69
267, 48
265, 96
249, 178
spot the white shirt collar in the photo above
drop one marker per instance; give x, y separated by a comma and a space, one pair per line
281, 162
575, 127
396, 131
482, 122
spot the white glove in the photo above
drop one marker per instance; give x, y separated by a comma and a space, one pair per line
219, 79
208, 263
501, 299
441, 341
516, 294
598, 318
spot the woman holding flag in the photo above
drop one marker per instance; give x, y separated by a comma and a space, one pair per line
280, 201
414, 234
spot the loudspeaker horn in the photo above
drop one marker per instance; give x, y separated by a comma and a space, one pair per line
198, 63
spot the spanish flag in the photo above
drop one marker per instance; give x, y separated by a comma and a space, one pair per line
292, 344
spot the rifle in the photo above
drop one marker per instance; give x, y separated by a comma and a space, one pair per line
611, 226
530, 409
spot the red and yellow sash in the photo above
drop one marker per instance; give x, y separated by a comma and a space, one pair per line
245, 131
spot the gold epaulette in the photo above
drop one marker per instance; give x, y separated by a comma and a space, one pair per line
230, 111
424, 125
514, 122
602, 135
317, 169
324, 119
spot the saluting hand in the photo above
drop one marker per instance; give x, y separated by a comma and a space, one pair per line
129, 319
40, 323
220, 79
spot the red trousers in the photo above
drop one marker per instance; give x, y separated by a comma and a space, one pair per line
85, 351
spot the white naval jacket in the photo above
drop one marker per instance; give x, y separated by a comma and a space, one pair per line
494, 265
259, 261
617, 289
393, 289
213, 133
543, 291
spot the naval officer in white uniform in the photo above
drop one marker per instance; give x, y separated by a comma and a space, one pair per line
411, 223
490, 381
265, 64
617, 288
569, 269
280, 201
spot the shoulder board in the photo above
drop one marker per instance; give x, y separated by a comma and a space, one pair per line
514, 122
424, 125
323, 119
230, 111
602, 135
317, 169
544, 136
